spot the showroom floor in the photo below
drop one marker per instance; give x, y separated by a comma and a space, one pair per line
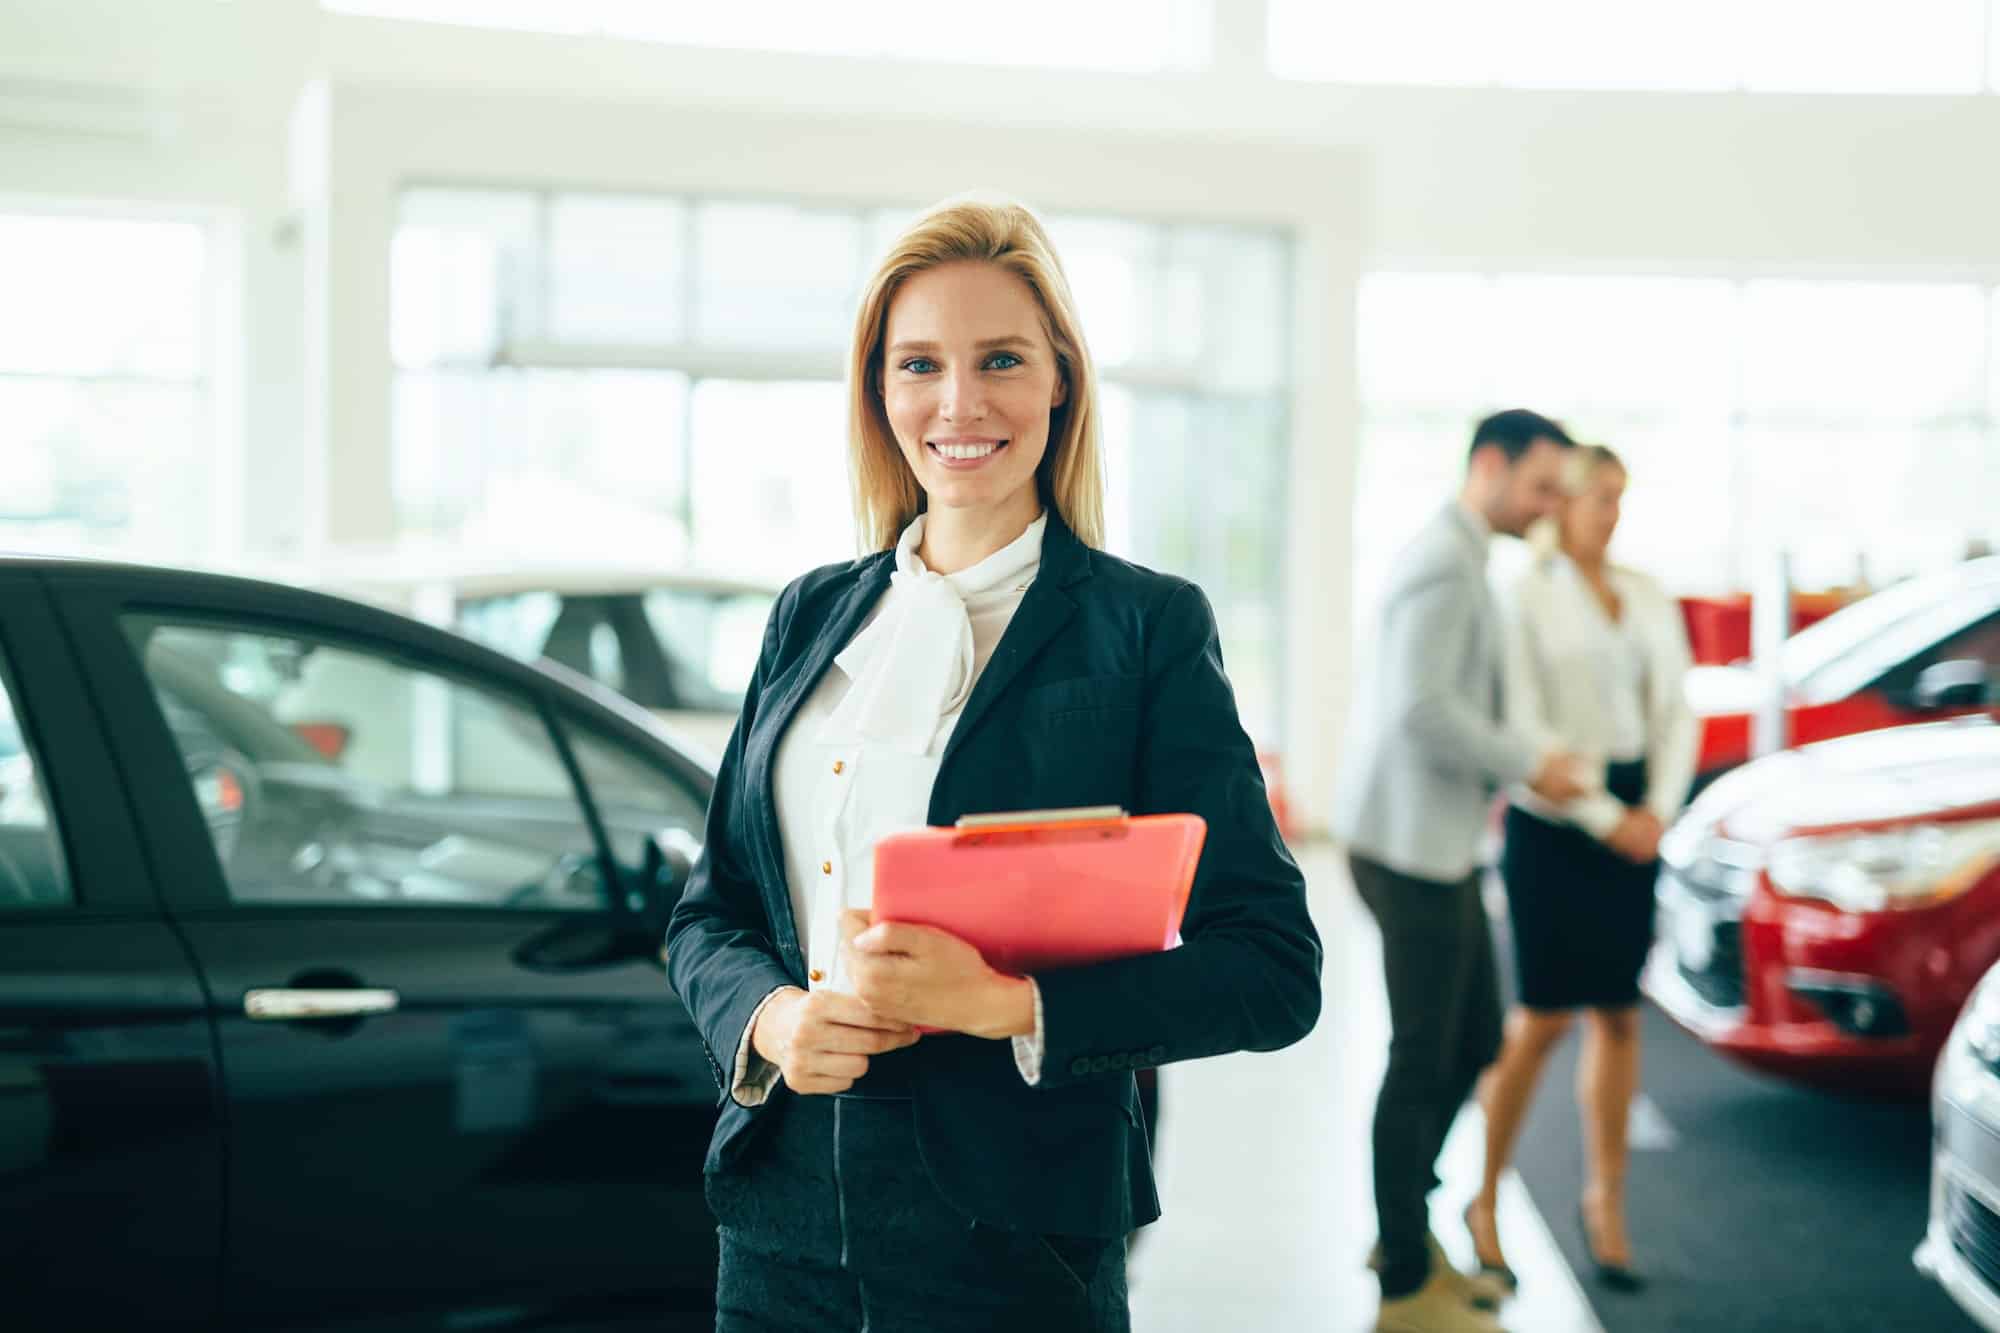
1755, 1205
1264, 1178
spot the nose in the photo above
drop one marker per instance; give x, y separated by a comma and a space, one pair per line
964, 397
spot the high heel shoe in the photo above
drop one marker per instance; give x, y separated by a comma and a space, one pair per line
1498, 1272
1612, 1277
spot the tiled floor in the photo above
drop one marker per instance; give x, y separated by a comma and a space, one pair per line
1264, 1175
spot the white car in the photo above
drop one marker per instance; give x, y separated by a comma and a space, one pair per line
1961, 1245
680, 644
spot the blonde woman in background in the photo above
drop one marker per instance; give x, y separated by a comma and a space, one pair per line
1598, 657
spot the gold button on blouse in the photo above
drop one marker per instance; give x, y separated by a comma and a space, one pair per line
839, 766
816, 975
826, 867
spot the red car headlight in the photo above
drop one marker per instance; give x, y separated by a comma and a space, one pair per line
1887, 869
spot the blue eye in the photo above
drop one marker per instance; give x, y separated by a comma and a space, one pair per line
995, 361
919, 365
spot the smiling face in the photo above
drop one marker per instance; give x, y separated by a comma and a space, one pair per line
968, 382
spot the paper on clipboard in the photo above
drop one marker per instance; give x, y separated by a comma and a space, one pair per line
1042, 889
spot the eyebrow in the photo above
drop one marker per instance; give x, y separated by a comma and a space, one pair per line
984, 344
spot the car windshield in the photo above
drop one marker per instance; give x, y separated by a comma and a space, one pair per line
1843, 652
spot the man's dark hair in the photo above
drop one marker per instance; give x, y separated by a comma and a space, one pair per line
1515, 431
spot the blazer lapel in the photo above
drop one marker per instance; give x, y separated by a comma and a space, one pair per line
827, 641
1044, 610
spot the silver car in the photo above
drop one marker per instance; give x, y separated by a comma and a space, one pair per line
1961, 1245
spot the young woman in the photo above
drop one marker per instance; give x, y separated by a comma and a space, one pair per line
1598, 661
987, 657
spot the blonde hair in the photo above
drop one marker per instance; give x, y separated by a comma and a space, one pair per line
1071, 474
1580, 469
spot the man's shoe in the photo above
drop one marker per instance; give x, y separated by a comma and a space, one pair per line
1475, 1289
1434, 1307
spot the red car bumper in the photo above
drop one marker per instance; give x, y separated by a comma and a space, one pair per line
1859, 1002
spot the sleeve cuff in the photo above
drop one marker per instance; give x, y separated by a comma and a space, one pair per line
1028, 1050
755, 1076
1597, 814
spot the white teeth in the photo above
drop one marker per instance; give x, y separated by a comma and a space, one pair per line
965, 452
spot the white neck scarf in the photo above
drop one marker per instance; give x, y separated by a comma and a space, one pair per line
912, 666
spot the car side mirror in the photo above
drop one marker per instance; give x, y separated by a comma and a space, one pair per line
1961, 683
650, 894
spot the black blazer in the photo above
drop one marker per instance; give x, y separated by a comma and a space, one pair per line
1106, 689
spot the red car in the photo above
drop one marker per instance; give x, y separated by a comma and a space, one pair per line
1824, 912
1915, 652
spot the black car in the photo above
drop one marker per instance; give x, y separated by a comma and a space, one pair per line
330, 988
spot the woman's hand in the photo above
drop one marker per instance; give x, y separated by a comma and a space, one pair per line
1637, 837
921, 975
821, 1040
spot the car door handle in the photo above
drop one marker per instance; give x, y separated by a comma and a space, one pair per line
289, 1006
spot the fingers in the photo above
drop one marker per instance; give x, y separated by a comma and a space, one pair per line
893, 937
837, 1007
822, 1074
836, 1036
839, 1039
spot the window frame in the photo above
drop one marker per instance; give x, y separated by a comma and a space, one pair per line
109, 874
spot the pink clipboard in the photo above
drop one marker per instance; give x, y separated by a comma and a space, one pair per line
1038, 890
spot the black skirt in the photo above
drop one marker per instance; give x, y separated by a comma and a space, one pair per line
1582, 915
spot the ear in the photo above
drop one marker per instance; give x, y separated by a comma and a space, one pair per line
1061, 394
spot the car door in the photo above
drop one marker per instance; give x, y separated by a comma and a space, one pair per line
458, 1083
111, 1140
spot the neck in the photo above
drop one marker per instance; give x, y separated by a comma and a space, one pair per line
1590, 562
1470, 501
958, 539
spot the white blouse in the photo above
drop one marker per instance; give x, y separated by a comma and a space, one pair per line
1607, 690
861, 756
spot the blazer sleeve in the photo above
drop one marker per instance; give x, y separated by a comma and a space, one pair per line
1530, 676
1246, 976
720, 958
1675, 733
1427, 632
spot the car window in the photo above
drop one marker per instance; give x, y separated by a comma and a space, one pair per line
635, 798
1855, 646
516, 624
33, 872
584, 638
1892, 659
710, 641
1978, 643
334, 774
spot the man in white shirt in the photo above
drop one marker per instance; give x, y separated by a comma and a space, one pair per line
1429, 751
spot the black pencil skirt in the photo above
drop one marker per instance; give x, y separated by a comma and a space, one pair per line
832, 1225
1582, 915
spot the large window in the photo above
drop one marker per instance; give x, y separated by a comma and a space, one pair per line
1850, 424
658, 379
105, 436
1129, 35
1916, 46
